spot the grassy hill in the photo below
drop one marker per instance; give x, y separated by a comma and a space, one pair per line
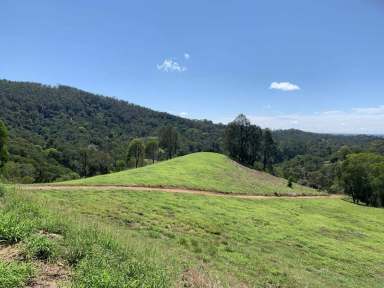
182, 240
200, 171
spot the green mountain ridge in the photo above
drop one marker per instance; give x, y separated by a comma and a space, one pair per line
53, 128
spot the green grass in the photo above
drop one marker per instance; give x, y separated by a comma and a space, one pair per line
14, 275
265, 243
201, 171
97, 256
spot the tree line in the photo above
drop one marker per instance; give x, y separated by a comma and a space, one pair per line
250, 145
153, 148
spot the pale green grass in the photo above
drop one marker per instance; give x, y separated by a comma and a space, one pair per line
201, 171
264, 243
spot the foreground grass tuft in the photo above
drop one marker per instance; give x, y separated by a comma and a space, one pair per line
41, 248
14, 275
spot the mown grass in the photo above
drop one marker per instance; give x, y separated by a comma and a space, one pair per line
265, 243
96, 256
201, 171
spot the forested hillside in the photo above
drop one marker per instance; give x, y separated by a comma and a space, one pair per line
53, 131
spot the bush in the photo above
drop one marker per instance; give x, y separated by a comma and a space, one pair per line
40, 247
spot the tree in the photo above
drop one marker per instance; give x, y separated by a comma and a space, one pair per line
269, 149
136, 150
152, 149
168, 140
362, 177
3, 144
243, 140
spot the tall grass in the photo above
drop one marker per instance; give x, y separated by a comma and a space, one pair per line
96, 257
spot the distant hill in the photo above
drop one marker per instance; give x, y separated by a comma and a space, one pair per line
42, 117
200, 171
53, 129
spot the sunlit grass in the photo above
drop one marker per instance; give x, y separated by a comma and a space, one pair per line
265, 243
201, 171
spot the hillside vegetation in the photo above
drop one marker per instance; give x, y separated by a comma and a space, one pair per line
201, 171
59, 133
221, 242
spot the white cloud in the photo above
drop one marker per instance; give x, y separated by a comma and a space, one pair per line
284, 86
183, 114
367, 120
187, 56
170, 65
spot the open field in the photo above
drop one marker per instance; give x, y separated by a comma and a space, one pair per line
200, 171
237, 242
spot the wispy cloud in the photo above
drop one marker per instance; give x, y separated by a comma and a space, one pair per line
365, 120
187, 56
169, 65
284, 86
184, 114
370, 110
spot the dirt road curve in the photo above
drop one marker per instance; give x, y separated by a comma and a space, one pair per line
169, 190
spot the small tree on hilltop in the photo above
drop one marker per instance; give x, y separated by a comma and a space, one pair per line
152, 149
3, 144
136, 151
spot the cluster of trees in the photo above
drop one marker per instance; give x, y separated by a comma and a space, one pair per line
164, 147
249, 144
362, 176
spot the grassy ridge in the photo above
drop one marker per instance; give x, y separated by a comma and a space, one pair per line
270, 243
201, 171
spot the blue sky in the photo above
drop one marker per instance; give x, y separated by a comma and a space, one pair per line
313, 65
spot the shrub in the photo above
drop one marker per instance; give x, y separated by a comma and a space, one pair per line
40, 247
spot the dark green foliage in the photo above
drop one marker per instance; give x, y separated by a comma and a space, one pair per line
59, 131
152, 149
136, 151
243, 140
3, 144
269, 150
169, 140
362, 177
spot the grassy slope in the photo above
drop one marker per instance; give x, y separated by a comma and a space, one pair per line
202, 171
270, 243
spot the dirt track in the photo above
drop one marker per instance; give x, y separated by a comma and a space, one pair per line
170, 190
